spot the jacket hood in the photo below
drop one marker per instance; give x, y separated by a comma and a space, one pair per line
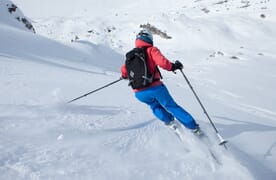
140, 43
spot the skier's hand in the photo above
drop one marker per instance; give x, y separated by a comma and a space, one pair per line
176, 65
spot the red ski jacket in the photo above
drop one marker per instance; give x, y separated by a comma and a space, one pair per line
155, 58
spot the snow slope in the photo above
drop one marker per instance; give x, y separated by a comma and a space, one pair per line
229, 57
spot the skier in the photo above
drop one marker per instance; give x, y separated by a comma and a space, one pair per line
156, 94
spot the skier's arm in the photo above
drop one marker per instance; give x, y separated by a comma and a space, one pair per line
160, 59
124, 71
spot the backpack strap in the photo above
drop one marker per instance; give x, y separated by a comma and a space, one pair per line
156, 69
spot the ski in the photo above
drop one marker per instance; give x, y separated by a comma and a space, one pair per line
201, 139
207, 143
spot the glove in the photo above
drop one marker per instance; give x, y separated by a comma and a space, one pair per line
176, 65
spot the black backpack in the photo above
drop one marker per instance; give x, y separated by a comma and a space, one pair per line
137, 68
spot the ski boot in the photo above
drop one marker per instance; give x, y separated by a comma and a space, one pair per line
174, 125
198, 132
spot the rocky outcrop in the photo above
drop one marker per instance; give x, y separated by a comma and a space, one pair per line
10, 11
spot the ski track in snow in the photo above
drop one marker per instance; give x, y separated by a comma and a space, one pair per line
86, 134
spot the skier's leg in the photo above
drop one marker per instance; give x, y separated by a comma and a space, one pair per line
147, 97
160, 112
166, 100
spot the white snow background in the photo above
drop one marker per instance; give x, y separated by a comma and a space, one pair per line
229, 55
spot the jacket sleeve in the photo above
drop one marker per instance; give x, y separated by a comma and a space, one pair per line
124, 71
160, 59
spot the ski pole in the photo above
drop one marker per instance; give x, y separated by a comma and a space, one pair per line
222, 141
95, 90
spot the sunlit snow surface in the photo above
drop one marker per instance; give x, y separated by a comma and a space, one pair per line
228, 52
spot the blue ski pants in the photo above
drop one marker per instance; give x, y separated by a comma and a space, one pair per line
164, 107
